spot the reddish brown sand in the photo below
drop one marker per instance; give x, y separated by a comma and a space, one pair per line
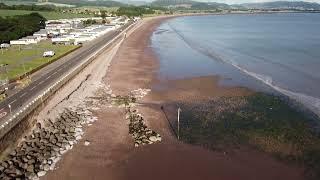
111, 154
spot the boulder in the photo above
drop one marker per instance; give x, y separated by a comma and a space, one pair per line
41, 173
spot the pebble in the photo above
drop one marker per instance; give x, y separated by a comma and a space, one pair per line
86, 143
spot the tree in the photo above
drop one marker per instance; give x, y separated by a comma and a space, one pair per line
132, 11
15, 27
103, 14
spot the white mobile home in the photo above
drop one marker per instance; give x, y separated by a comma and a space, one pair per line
31, 39
19, 42
41, 33
4, 45
60, 40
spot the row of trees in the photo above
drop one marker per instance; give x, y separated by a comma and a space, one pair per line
15, 27
27, 7
132, 11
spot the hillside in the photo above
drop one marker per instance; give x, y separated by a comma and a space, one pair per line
283, 5
107, 3
190, 4
133, 2
171, 2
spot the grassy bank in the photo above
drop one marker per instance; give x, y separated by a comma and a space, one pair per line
26, 58
50, 15
261, 121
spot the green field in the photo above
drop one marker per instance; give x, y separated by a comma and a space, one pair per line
47, 14
25, 58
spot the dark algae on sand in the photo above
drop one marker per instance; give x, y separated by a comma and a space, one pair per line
262, 121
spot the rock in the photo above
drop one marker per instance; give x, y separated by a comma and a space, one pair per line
68, 147
78, 137
62, 151
31, 161
59, 144
153, 138
13, 153
4, 164
10, 170
40, 150
86, 143
46, 167
159, 138
38, 125
30, 175
41, 173
18, 172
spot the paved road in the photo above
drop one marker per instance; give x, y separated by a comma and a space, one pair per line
53, 75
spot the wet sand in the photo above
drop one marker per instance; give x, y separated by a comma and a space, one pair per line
111, 153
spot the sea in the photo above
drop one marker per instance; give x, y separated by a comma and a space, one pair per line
278, 52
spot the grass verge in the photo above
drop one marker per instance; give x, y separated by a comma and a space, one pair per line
30, 58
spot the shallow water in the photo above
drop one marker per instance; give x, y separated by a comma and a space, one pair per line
264, 52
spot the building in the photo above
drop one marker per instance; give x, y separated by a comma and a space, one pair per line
4, 45
61, 40
19, 42
42, 34
32, 39
58, 26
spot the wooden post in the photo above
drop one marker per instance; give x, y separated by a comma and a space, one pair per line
179, 109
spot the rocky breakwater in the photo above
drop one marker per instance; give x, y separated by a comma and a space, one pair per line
38, 152
141, 134
41, 149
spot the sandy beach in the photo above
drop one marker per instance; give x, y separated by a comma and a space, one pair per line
111, 153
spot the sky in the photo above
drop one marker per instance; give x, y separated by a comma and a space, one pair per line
241, 1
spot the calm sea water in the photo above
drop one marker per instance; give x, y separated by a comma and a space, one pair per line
277, 52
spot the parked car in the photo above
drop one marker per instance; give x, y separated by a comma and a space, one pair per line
48, 54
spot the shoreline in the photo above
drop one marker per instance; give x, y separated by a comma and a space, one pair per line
293, 98
105, 148
287, 104
111, 153
135, 66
